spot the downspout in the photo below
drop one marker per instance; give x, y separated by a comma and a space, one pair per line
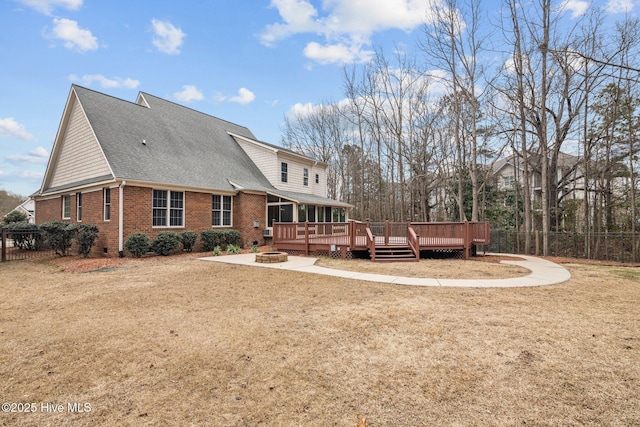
121, 219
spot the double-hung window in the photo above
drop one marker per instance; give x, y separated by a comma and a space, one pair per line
305, 177
221, 211
168, 208
78, 206
284, 172
66, 206
107, 204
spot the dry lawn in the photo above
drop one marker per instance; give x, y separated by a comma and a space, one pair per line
178, 341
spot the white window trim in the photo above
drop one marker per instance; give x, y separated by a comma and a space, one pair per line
168, 208
66, 198
222, 196
78, 207
105, 204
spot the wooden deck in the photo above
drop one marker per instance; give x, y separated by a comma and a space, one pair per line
384, 241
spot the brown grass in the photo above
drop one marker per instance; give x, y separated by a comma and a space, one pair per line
178, 341
432, 268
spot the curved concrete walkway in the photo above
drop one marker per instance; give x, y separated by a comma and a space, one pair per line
543, 272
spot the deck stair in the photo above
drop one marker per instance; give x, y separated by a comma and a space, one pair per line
394, 253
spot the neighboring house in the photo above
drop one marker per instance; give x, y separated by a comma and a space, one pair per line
509, 171
154, 165
28, 207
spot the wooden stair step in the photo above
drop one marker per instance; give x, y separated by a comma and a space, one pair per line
394, 254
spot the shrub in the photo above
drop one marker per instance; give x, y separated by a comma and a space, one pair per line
188, 240
59, 235
86, 235
233, 249
15, 217
222, 238
24, 235
254, 249
137, 244
217, 251
165, 243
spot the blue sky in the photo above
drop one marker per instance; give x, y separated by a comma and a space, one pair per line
246, 61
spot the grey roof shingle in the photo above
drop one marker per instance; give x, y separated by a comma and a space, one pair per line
182, 147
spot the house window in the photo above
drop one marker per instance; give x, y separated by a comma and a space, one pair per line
107, 204
278, 210
302, 213
79, 206
168, 208
509, 181
221, 211
66, 207
305, 179
284, 174
317, 179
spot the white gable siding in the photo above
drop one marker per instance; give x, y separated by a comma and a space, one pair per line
79, 156
295, 169
269, 161
264, 158
319, 189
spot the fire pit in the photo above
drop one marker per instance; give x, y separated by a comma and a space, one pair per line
271, 257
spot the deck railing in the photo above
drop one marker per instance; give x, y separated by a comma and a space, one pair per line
359, 235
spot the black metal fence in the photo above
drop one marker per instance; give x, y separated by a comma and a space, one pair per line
24, 244
617, 247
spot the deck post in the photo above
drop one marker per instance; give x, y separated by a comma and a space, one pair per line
386, 232
306, 238
4, 244
352, 233
467, 240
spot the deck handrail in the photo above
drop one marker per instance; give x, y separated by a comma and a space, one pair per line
357, 235
371, 242
413, 241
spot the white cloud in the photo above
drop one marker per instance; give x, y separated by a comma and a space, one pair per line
105, 82
337, 53
245, 96
577, 7
620, 6
74, 37
189, 93
9, 127
46, 6
168, 38
37, 156
345, 25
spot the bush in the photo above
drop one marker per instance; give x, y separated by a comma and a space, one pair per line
217, 251
165, 243
59, 235
222, 238
86, 235
188, 240
233, 249
15, 217
24, 235
137, 244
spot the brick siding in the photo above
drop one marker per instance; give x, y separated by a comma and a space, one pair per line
138, 215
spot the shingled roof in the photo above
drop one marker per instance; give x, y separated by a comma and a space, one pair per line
166, 143
155, 141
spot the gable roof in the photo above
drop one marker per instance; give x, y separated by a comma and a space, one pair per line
160, 142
